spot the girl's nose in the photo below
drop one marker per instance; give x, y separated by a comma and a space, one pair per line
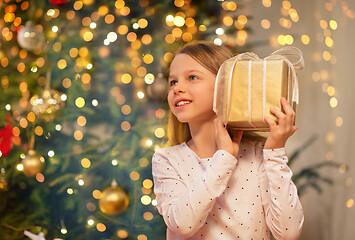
179, 87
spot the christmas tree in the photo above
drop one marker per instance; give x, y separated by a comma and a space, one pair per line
82, 94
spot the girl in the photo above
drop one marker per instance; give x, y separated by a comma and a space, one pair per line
213, 186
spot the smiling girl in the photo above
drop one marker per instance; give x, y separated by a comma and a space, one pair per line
210, 185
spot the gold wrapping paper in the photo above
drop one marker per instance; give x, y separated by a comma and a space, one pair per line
247, 87
247, 95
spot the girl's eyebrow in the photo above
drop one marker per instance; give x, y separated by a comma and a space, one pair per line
187, 72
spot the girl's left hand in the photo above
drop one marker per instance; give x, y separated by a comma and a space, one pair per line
279, 133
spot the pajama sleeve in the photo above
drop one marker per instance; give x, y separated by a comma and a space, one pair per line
282, 207
185, 208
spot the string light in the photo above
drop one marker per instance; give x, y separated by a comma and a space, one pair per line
51, 153
19, 167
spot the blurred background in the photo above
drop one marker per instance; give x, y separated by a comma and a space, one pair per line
83, 87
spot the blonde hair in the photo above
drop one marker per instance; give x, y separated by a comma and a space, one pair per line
211, 57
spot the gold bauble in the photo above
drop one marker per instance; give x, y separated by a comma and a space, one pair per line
114, 200
33, 163
47, 105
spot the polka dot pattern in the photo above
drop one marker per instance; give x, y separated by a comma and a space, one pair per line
226, 197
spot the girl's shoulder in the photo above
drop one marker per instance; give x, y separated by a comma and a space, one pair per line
170, 149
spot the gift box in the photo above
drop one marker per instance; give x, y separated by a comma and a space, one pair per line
247, 87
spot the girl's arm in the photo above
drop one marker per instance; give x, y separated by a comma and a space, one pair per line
283, 210
184, 208
282, 207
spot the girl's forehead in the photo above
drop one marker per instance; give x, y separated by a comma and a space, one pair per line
183, 62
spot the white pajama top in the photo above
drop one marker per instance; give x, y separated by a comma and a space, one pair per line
226, 197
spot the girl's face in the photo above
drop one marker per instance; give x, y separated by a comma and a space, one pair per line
191, 90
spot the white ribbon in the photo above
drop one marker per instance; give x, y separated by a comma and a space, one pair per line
281, 54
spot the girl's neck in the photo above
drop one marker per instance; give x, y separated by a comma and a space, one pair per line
203, 141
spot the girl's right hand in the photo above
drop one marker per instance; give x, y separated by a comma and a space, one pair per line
224, 141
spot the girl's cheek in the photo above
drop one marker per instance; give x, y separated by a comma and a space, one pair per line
170, 96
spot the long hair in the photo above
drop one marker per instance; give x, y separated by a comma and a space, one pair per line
211, 57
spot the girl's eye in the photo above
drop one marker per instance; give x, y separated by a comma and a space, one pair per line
173, 82
192, 77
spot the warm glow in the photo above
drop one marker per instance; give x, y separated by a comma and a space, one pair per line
62, 64
126, 78
78, 135
159, 132
265, 23
40, 177
31, 117
142, 237
78, 5
148, 216
143, 23
326, 55
329, 42
187, 37
289, 39
66, 83
330, 137
126, 109
80, 102
143, 162
86, 163
122, 233
146, 200
339, 121
85, 78
134, 175
148, 58
123, 29
39, 131
81, 121
323, 24
331, 91
125, 126
333, 102
333, 24
179, 21
131, 37
146, 39
109, 18
101, 227
88, 36
96, 194
266, 3
305, 39
147, 183
23, 122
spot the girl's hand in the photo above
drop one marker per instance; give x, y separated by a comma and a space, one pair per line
279, 133
224, 141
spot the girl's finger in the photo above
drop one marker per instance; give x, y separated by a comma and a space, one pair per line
290, 113
282, 120
272, 124
286, 106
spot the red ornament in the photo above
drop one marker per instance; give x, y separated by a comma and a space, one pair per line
6, 139
59, 2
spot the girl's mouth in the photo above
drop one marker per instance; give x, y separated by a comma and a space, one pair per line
182, 103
